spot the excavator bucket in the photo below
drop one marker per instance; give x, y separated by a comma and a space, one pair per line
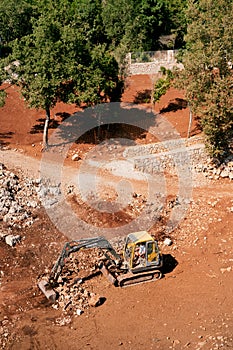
47, 290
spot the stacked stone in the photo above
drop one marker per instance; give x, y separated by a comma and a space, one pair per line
216, 170
18, 199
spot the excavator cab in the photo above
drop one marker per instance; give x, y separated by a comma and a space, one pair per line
141, 252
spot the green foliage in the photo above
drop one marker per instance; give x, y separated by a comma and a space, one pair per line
15, 21
162, 84
2, 97
207, 75
138, 25
125, 25
61, 60
217, 119
141, 57
176, 21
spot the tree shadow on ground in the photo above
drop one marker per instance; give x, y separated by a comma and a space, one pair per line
108, 121
109, 131
5, 136
61, 116
175, 105
143, 97
39, 128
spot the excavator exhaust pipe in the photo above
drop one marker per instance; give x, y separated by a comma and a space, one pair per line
47, 290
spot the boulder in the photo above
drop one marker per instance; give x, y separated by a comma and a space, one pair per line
11, 240
75, 157
225, 173
94, 300
167, 241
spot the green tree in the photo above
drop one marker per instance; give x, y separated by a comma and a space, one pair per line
15, 22
2, 97
208, 75
88, 14
176, 21
163, 84
58, 62
134, 25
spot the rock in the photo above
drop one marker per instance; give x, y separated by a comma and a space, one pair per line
225, 173
14, 195
63, 321
167, 241
227, 269
75, 157
11, 240
94, 300
187, 344
79, 312
176, 342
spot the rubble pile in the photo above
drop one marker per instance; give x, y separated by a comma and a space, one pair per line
49, 193
18, 199
215, 170
6, 332
74, 295
202, 215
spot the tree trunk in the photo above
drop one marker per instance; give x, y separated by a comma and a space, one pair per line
46, 128
190, 121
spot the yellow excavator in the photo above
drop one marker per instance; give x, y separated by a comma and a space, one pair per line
140, 261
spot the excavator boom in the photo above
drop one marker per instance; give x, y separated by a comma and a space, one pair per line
71, 247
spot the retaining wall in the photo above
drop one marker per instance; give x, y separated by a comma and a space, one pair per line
165, 59
159, 147
167, 156
182, 158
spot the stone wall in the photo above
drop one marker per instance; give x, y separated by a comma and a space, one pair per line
165, 59
184, 157
176, 155
159, 147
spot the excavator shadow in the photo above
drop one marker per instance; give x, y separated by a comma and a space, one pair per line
169, 264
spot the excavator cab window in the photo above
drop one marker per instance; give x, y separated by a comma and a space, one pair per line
128, 253
139, 255
152, 252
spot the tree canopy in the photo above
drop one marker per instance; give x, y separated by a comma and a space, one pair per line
61, 60
15, 22
207, 76
123, 25
138, 25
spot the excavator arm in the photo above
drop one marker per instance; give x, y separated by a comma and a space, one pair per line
75, 246
46, 286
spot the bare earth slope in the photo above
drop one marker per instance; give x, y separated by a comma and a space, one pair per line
190, 308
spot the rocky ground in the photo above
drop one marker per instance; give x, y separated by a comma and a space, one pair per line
190, 308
